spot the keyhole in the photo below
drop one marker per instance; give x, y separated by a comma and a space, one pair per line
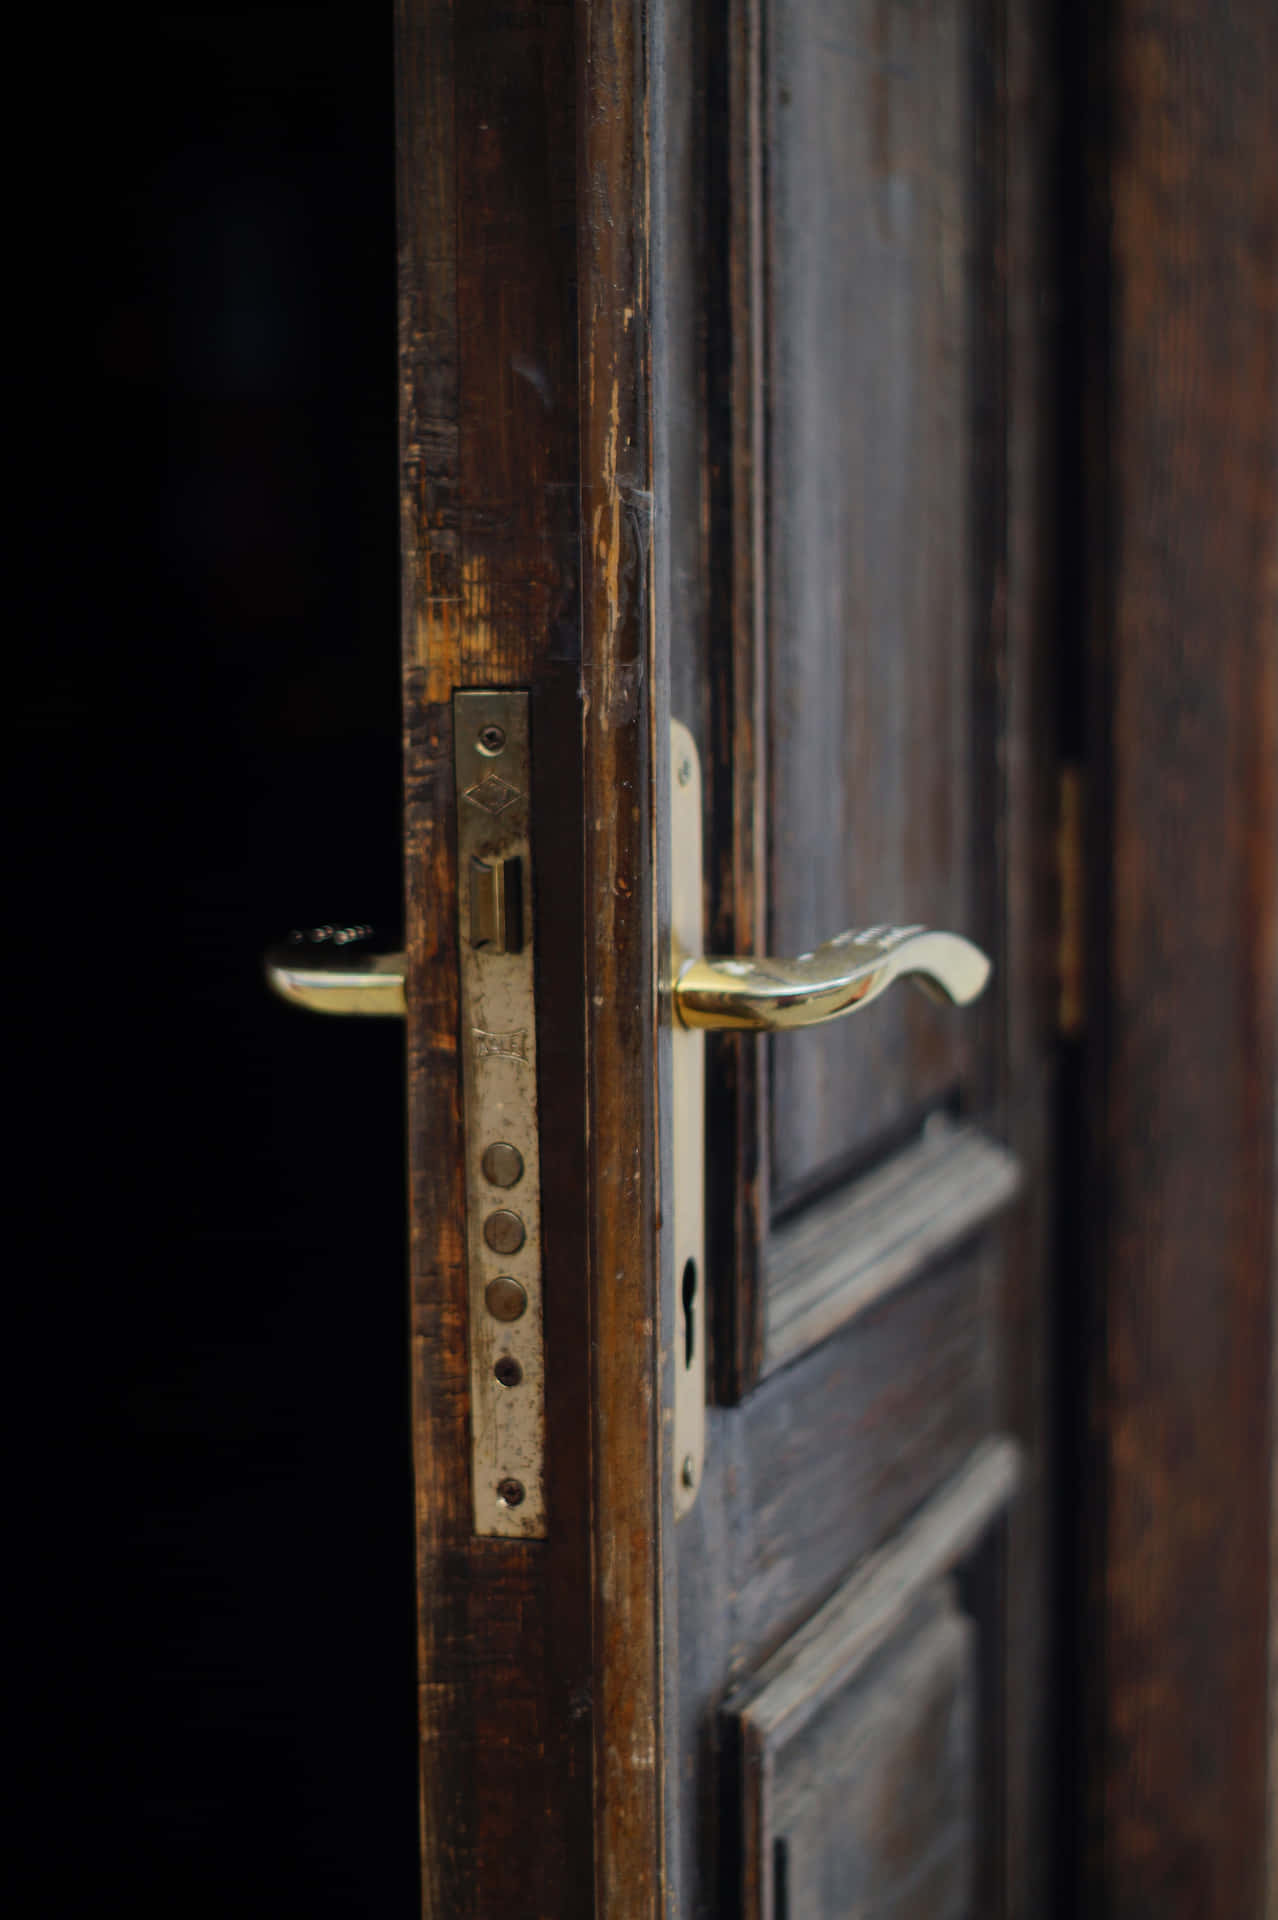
689, 1311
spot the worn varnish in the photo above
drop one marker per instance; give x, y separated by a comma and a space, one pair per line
559, 1678
527, 510
873, 294
486, 119
833, 1261
871, 1805
817, 1468
631, 1492
873, 685
855, 1742
857, 610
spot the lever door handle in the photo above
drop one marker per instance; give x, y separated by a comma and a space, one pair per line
346, 970
846, 973
337, 970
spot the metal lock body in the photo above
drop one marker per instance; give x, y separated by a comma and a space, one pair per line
499, 1073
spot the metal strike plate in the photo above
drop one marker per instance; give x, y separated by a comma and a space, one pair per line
689, 1074
503, 1174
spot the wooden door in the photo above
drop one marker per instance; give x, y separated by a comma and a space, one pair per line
730, 386
708, 415
863, 1617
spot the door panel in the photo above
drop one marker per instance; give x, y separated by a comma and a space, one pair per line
862, 1802
864, 1640
821, 1462
868, 283
828, 1263
851, 655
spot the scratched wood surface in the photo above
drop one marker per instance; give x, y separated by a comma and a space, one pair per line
1183, 753
817, 1468
517, 1775
623, 734
868, 1805
853, 707
873, 295
536, 1689
912, 159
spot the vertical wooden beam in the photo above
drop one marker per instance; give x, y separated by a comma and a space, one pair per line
488, 323
1021, 692
1186, 739
629, 1477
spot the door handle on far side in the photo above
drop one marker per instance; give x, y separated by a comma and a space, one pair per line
337, 970
844, 974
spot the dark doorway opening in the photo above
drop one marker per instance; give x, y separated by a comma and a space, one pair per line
224, 1700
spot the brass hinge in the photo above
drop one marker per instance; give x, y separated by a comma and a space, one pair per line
1071, 951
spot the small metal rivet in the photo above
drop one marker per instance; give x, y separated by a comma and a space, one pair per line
504, 1231
492, 739
503, 1164
504, 1298
509, 1371
689, 1471
510, 1493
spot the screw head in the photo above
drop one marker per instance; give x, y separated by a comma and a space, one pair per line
492, 738
504, 1231
503, 1164
505, 1298
510, 1493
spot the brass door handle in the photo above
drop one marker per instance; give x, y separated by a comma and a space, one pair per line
337, 970
846, 973
345, 970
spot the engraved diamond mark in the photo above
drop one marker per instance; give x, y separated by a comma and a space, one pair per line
493, 794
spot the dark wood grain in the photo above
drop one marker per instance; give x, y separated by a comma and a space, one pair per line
802, 1695
811, 1472
864, 1611
869, 1806
840, 1257
871, 306
1020, 697
486, 118
631, 1484
774, 1520
543, 1668
856, 727
1184, 764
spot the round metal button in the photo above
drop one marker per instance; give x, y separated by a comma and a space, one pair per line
503, 1164
504, 1298
504, 1231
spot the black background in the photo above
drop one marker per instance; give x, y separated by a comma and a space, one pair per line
208, 1316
